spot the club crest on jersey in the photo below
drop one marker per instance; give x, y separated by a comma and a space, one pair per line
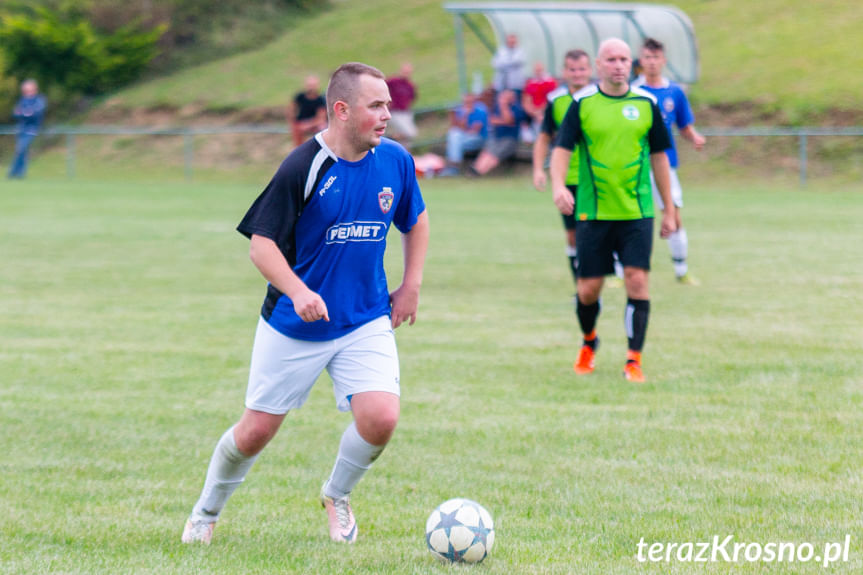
385, 199
630, 112
668, 104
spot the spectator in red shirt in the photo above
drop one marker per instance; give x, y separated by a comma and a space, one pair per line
534, 98
403, 93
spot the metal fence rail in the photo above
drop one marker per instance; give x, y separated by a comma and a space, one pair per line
189, 133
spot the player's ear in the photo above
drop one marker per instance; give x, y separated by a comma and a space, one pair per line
340, 110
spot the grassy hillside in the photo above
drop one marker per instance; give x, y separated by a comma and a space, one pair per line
781, 55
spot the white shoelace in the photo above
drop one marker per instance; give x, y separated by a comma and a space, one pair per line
199, 530
343, 512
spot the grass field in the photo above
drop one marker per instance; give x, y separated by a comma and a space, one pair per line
126, 320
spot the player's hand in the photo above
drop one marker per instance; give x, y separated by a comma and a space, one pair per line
310, 306
539, 180
405, 301
669, 222
563, 200
698, 141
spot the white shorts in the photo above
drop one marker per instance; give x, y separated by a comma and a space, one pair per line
676, 190
285, 369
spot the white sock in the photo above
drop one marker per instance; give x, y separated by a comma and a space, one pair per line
228, 468
678, 244
356, 456
618, 267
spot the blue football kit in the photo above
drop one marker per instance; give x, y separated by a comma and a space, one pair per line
330, 218
675, 109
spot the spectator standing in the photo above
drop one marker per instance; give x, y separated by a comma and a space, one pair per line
467, 132
308, 111
403, 92
29, 112
508, 63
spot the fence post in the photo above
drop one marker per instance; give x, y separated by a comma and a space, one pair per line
803, 158
188, 154
70, 156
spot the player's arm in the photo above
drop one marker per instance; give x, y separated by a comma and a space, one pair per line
540, 149
570, 132
685, 120
540, 152
662, 176
405, 299
659, 141
694, 136
270, 261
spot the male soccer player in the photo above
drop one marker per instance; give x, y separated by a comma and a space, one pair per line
620, 137
675, 111
318, 235
576, 75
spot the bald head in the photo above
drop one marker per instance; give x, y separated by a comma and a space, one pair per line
29, 88
312, 84
613, 44
613, 66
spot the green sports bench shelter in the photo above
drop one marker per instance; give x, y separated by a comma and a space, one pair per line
547, 30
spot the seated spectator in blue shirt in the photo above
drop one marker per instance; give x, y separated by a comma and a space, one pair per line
28, 111
505, 121
467, 132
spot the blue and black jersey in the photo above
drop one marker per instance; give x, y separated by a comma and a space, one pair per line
330, 218
675, 109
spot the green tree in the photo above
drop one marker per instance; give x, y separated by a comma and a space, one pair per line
66, 51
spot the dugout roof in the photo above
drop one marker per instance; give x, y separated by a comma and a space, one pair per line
547, 30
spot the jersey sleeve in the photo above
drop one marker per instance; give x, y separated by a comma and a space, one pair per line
682, 110
658, 137
411, 204
548, 126
275, 212
570, 128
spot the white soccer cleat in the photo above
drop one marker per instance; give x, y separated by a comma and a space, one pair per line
343, 526
197, 531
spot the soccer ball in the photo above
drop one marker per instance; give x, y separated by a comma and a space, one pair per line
460, 531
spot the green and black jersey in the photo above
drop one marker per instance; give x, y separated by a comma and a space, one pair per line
558, 103
615, 136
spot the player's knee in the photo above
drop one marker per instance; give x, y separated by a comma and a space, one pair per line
377, 428
251, 436
636, 282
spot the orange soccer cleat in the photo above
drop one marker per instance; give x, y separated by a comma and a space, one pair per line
632, 370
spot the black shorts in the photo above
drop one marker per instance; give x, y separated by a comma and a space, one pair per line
569, 221
599, 239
